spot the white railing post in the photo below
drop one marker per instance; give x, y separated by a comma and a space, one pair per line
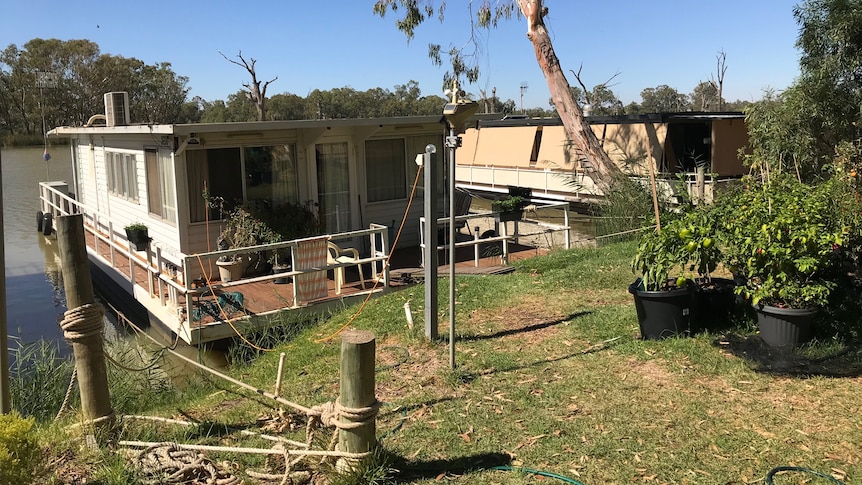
110, 241
566, 224
149, 271
188, 285
161, 287
504, 258
476, 246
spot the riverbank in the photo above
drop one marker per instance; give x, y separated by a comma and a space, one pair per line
550, 376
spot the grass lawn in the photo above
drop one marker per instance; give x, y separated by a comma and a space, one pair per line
539, 384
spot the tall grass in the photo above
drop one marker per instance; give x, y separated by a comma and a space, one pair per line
38, 378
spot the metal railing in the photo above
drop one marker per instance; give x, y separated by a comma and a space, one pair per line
489, 221
167, 272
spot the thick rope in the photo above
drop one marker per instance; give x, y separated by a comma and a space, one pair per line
82, 322
68, 397
168, 463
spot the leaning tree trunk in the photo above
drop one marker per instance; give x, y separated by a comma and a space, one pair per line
595, 160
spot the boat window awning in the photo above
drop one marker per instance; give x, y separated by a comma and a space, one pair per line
505, 146
556, 151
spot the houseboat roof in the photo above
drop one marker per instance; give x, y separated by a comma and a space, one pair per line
243, 127
617, 119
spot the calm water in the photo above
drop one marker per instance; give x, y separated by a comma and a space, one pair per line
35, 301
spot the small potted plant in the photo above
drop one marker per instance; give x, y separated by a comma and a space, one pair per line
242, 229
510, 208
138, 235
790, 239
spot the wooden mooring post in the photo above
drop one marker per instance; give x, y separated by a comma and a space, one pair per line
357, 400
85, 333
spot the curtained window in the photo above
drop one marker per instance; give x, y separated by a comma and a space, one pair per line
333, 186
217, 172
386, 171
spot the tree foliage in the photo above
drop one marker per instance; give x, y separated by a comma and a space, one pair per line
801, 128
81, 77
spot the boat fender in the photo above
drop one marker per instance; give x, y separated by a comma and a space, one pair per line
39, 218
47, 225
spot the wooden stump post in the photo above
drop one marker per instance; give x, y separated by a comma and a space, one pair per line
357, 390
89, 350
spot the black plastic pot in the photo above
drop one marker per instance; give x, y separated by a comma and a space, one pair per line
714, 304
784, 327
663, 314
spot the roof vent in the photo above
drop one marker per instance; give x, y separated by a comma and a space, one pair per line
117, 108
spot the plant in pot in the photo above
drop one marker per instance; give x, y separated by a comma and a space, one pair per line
510, 208
242, 229
789, 239
137, 233
663, 302
676, 292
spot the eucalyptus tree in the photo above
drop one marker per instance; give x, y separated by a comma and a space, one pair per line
256, 88
803, 128
462, 64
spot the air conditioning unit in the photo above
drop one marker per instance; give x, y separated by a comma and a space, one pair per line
117, 108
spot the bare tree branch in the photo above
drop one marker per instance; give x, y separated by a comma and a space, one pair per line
258, 93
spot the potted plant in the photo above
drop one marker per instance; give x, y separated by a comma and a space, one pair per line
790, 240
243, 229
510, 208
138, 234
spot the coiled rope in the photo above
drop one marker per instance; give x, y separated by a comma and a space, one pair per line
82, 322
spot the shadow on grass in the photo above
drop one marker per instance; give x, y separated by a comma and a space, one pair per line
409, 470
516, 331
841, 362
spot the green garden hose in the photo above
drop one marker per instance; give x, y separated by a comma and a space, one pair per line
799, 469
536, 472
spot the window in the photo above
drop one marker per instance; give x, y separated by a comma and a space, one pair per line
121, 174
333, 186
386, 172
217, 171
270, 174
160, 185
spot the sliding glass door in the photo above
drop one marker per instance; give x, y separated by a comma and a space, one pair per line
333, 186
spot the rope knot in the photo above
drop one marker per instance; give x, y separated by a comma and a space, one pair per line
83, 321
333, 414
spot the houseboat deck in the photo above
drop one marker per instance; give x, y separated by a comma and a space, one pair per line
185, 295
225, 310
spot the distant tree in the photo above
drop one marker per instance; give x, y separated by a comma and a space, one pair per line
286, 107
662, 99
160, 95
597, 162
718, 79
705, 97
256, 88
633, 108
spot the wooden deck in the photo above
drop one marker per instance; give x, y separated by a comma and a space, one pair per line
218, 312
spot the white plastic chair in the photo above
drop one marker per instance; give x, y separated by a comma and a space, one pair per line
338, 255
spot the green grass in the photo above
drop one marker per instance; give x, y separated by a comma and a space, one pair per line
538, 386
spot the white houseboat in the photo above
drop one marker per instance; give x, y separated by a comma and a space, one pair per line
356, 175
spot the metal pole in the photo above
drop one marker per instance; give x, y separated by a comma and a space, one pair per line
452, 143
429, 252
5, 399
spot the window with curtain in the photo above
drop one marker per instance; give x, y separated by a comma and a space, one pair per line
160, 184
270, 174
122, 177
333, 186
219, 172
386, 170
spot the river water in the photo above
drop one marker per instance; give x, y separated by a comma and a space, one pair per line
35, 300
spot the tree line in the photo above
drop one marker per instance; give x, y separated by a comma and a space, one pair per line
49, 82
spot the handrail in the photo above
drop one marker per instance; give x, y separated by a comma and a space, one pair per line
181, 284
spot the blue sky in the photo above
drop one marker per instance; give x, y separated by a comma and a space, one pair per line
338, 43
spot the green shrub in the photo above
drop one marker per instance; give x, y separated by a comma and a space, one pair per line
19, 451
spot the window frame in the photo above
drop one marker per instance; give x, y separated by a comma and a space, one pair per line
121, 174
